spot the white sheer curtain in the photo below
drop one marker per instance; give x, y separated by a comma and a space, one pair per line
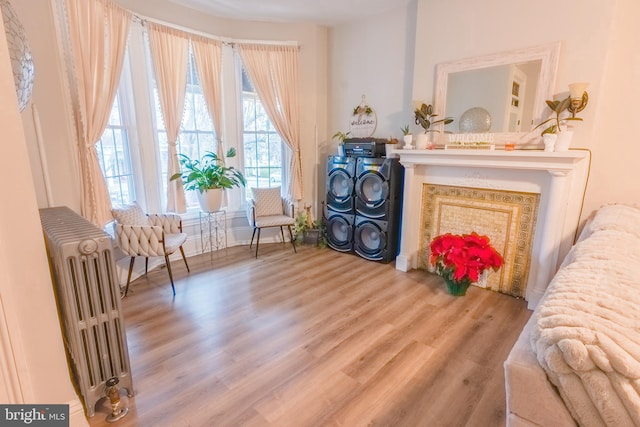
273, 70
208, 57
169, 50
98, 31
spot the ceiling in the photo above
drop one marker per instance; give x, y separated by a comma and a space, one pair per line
323, 12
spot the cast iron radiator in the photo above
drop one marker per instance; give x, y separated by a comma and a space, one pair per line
88, 296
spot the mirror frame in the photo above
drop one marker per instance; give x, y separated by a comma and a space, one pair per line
549, 55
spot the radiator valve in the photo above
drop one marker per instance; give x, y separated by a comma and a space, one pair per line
113, 393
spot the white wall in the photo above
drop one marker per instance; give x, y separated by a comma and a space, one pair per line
32, 356
50, 97
372, 57
615, 175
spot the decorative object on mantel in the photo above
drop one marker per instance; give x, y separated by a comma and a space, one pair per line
423, 115
19, 53
563, 111
549, 140
470, 141
475, 120
407, 137
462, 259
391, 144
363, 120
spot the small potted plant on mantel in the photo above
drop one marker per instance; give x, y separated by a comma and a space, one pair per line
555, 136
424, 117
407, 137
209, 177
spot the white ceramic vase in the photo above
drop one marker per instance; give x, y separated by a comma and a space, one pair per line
422, 141
564, 140
210, 200
408, 142
549, 140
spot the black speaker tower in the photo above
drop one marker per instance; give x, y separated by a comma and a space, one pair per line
364, 203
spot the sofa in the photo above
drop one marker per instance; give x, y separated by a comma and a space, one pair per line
577, 360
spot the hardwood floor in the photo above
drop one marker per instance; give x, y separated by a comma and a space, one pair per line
317, 338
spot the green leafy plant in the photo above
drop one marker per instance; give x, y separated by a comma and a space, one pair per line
302, 226
424, 117
209, 173
405, 130
341, 136
555, 122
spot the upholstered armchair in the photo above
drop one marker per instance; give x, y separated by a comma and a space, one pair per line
150, 235
267, 208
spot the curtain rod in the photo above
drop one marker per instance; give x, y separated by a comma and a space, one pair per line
225, 40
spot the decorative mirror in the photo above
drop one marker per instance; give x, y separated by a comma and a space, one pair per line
510, 88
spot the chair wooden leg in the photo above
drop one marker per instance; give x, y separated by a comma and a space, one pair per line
258, 242
293, 241
252, 236
166, 258
184, 258
146, 265
282, 233
126, 289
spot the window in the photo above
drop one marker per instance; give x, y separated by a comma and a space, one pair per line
197, 135
135, 163
263, 146
114, 157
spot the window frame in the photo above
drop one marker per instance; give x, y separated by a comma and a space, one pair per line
137, 91
285, 151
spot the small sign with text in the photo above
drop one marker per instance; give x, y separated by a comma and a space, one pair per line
34, 415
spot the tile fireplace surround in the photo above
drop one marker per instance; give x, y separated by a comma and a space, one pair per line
559, 178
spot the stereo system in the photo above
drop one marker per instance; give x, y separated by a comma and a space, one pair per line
364, 147
363, 207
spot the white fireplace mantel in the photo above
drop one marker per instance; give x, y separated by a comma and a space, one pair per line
559, 178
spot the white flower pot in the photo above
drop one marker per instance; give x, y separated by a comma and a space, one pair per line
408, 142
564, 140
389, 150
210, 200
549, 140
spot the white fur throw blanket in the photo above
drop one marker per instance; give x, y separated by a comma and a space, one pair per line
587, 331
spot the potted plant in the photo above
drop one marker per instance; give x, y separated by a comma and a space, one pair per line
307, 231
554, 136
424, 117
407, 136
461, 259
210, 177
341, 137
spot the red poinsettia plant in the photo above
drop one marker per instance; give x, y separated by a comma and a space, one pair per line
463, 258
